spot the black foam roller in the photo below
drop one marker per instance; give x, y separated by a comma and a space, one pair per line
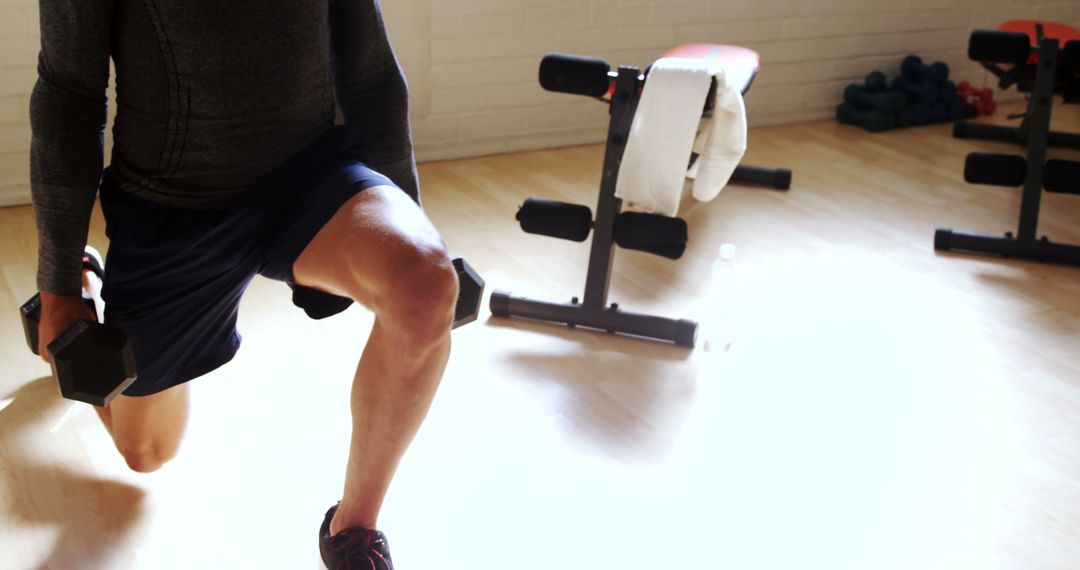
555, 219
995, 169
775, 178
1062, 176
943, 239
1069, 72
652, 233
576, 74
999, 47
1070, 57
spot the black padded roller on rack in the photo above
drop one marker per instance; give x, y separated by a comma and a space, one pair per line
1070, 58
995, 169
1062, 176
555, 219
1069, 72
575, 74
999, 47
652, 233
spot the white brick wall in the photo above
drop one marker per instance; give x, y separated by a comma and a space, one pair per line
472, 64
484, 96
18, 71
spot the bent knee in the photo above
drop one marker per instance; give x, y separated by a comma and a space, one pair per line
147, 458
421, 299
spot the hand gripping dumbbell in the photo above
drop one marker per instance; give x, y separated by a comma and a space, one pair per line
92, 362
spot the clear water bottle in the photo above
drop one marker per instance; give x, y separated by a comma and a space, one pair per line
719, 326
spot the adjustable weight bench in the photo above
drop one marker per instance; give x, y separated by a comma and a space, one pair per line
1015, 44
657, 234
1038, 64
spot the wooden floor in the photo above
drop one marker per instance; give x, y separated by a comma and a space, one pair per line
866, 403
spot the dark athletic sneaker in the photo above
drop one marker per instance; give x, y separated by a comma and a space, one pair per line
353, 548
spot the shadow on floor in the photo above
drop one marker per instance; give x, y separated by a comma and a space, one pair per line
90, 515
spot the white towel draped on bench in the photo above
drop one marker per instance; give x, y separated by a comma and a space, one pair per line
666, 129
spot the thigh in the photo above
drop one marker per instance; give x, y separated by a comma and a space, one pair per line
373, 241
173, 282
151, 424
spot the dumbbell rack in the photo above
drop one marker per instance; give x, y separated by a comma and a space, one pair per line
1036, 136
593, 312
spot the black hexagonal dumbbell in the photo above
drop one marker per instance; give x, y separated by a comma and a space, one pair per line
92, 362
470, 293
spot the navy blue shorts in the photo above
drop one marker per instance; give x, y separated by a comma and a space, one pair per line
174, 276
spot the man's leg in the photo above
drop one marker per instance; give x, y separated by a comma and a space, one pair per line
381, 250
147, 429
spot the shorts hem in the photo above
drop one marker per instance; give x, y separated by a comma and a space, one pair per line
185, 375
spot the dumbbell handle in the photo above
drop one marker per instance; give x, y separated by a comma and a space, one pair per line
30, 312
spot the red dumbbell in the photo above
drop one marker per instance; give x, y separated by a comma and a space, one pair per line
964, 89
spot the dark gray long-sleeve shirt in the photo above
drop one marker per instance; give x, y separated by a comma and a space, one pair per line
211, 96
